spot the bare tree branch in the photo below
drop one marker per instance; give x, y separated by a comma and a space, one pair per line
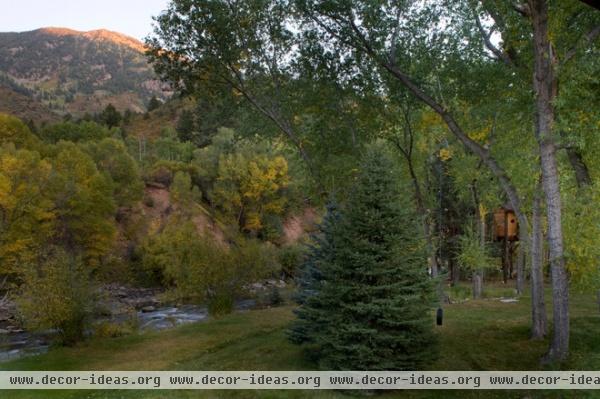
500, 54
274, 116
394, 38
522, 8
587, 38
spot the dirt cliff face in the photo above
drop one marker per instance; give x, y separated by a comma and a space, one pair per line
297, 226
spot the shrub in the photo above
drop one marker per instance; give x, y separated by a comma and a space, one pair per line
221, 304
473, 256
272, 228
114, 268
198, 269
256, 256
58, 294
290, 257
275, 298
109, 329
164, 171
183, 193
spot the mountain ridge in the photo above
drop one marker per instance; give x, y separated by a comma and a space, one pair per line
77, 72
96, 34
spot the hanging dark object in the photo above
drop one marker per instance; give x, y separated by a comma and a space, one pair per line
439, 318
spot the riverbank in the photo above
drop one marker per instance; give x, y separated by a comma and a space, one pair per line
486, 334
122, 310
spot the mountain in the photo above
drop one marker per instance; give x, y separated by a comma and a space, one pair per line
74, 72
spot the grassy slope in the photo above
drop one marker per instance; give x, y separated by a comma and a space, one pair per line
477, 335
24, 107
151, 124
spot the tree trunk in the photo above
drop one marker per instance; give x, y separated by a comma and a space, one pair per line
478, 274
454, 272
477, 284
431, 251
423, 211
505, 250
407, 150
511, 255
520, 269
582, 174
538, 306
544, 82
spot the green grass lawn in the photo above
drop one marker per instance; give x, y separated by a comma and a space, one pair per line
476, 335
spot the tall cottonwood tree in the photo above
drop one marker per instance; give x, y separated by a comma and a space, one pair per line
549, 57
251, 49
544, 84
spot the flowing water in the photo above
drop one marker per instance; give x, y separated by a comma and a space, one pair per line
15, 344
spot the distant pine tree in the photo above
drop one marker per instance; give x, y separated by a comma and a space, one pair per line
153, 104
32, 126
127, 115
110, 116
186, 126
365, 295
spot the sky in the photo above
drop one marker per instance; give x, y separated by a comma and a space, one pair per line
131, 17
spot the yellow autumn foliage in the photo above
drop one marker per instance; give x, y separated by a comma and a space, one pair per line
27, 211
249, 188
445, 154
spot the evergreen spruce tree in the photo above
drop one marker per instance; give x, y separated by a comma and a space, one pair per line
321, 252
369, 305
